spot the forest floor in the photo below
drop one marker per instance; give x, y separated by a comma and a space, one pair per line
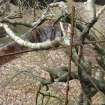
21, 90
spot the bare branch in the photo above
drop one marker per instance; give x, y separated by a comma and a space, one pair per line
43, 45
6, 20
100, 12
61, 5
66, 38
90, 6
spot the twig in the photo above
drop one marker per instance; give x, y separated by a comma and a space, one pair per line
6, 20
80, 55
37, 94
100, 11
42, 45
31, 50
50, 95
70, 53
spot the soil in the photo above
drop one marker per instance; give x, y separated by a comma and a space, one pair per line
23, 88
